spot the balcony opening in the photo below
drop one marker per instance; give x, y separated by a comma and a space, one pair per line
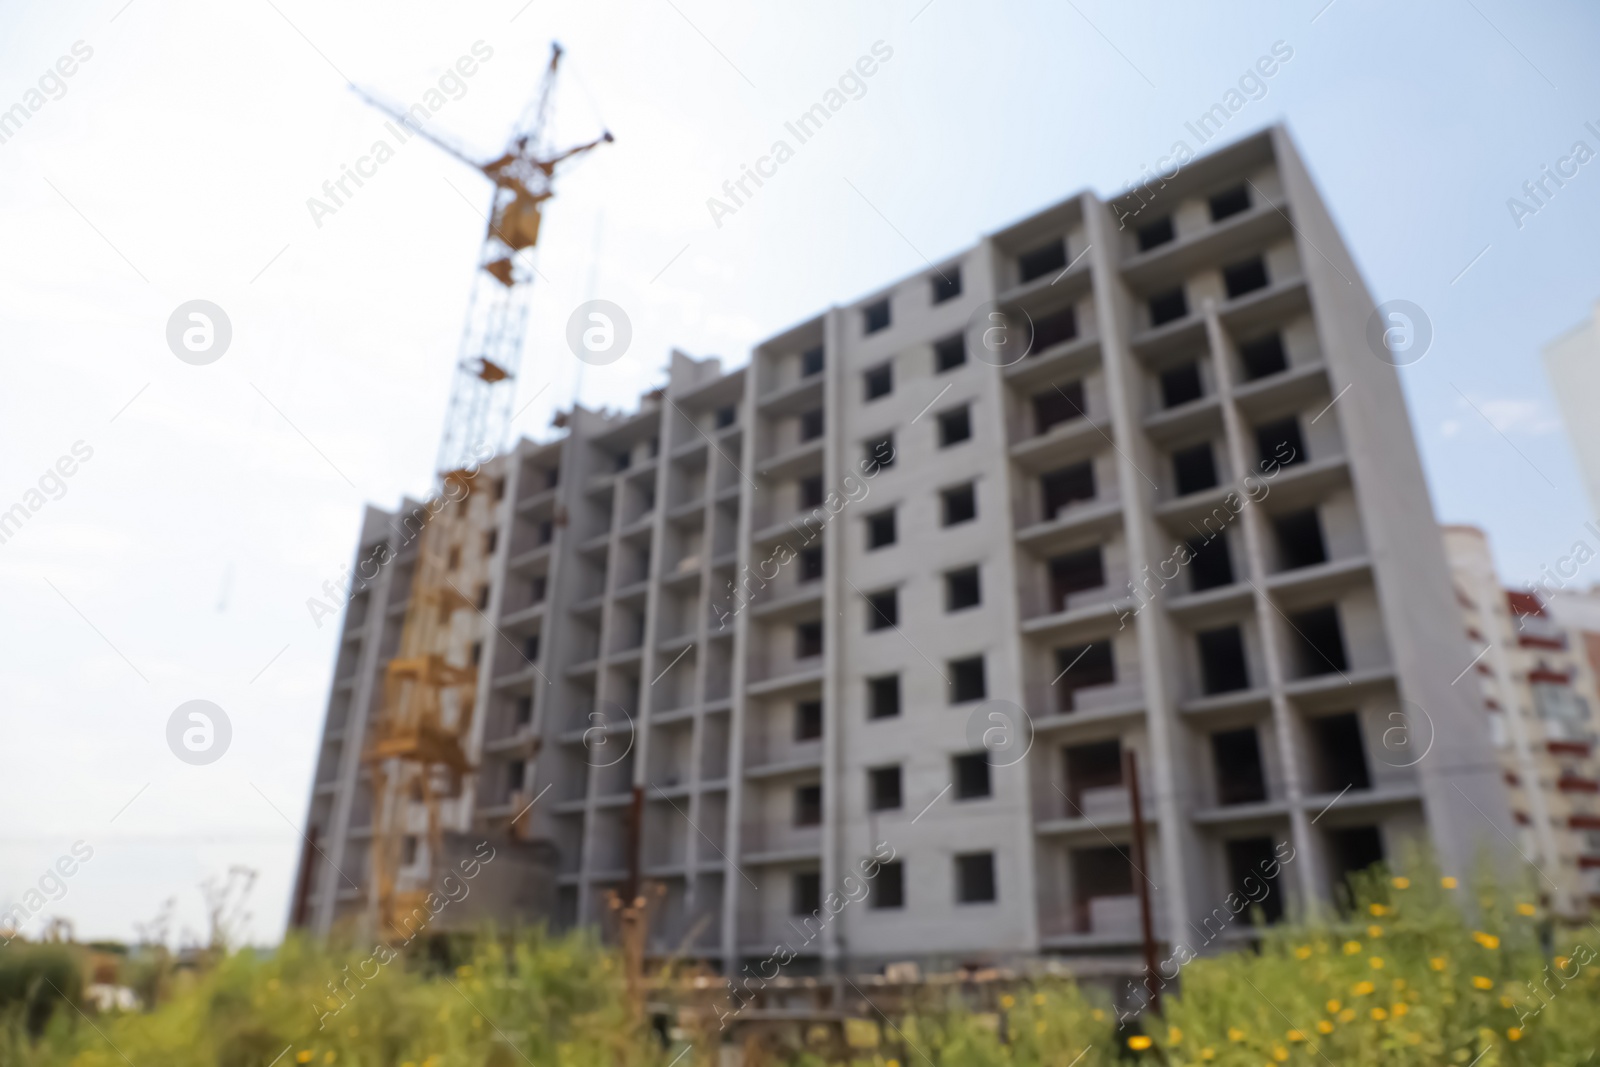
726, 416
962, 589
1246, 277
1103, 899
808, 720
1299, 537
621, 461
810, 564
883, 788
805, 893
1155, 234
883, 609
1043, 260
875, 317
811, 491
883, 697
807, 640
1180, 385
960, 504
811, 425
955, 426
1082, 667
537, 588
522, 713
1319, 643
1222, 663
975, 878
811, 362
949, 353
530, 648
1056, 405
880, 529
879, 381
1053, 329
970, 772
552, 477
1064, 487
1236, 756
1340, 752
1211, 566
880, 453
946, 284
1230, 202
808, 805
1354, 848
1249, 860
1262, 357
1168, 306
1194, 469
1073, 573
967, 681
1281, 441
888, 886
1094, 779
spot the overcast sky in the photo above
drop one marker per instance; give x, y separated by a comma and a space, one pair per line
176, 162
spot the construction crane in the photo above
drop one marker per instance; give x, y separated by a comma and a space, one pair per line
418, 757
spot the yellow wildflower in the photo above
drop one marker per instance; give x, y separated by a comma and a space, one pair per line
1437, 963
1480, 982
1376, 909
303, 1056
1295, 1035
1378, 1015
1303, 952
327, 1057
1376, 963
464, 971
1098, 1015
1352, 948
1039, 1026
1333, 1006
1138, 1042
1399, 1008
1280, 1053
1008, 1002
1488, 941
1235, 1034
1038, 1000
1174, 1036
1208, 1053
1562, 961
1361, 989
1348, 1015
1400, 883
1526, 909
1448, 882
1374, 931
1515, 1033
1324, 1026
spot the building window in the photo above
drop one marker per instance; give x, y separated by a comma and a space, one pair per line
883, 697
879, 453
1093, 774
1236, 755
975, 878
1354, 848
808, 720
477, 653
954, 427
889, 886
880, 529
1230, 202
810, 564
1064, 487
949, 353
483, 597
811, 425
522, 713
1082, 667
547, 532
537, 586
1074, 573
1194, 469
960, 504
967, 682
552, 477
1321, 645
1180, 385
1210, 567
879, 381
515, 771
1043, 260
811, 491
726, 416
808, 640
1056, 405
962, 589
530, 648
805, 893
883, 609
621, 460
1299, 537
875, 316
946, 284
1155, 234
1245, 277
811, 362
1222, 664
499, 488
1281, 441
1249, 860
1262, 357
1054, 329
1168, 306
808, 805
490, 541
970, 772
454, 559
408, 850
883, 788
1341, 753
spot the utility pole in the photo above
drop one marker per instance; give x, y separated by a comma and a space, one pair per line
1152, 984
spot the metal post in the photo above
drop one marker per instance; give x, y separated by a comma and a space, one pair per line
1152, 984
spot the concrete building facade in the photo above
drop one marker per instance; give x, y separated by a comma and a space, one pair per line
1573, 363
899, 594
